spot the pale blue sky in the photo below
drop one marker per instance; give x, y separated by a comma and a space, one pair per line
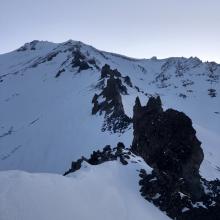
137, 28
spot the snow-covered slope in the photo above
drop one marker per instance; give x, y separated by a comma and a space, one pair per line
46, 93
108, 191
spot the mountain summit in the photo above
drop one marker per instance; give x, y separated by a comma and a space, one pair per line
52, 94
62, 102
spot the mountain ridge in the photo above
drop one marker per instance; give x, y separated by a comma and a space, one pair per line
37, 86
61, 101
111, 53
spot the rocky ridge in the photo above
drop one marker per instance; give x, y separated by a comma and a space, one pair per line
167, 141
109, 100
107, 154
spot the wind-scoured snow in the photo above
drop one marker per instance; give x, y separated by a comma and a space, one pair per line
107, 191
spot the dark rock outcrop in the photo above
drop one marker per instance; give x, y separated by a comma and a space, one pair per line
79, 60
49, 57
109, 101
167, 142
108, 72
98, 157
59, 72
212, 93
127, 80
170, 196
29, 46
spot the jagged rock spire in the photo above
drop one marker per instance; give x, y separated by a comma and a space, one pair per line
137, 103
154, 104
167, 142
109, 101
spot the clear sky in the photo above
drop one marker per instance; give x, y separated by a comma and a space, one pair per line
137, 28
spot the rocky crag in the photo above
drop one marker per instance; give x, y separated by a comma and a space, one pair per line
107, 154
167, 142
109, 100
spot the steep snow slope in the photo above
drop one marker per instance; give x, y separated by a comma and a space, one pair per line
46, 122
108, 191
46, 94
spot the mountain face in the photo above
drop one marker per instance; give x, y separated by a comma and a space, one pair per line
52, 94
60, 102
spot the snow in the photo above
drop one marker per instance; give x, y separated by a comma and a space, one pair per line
199, 204
108, 191
210, 145
61, 109
185, 209
156, 196
50, 118
46, 123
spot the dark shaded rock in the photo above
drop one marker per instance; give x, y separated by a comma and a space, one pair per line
213, 74
167, 142
114, 86
187, 82
122, 160
170, 197
108, 72
51, 56
137, 88
59, 73
76, 165
79, 61
29, 46
120, 146
107, 148
96, 106
9, 132
182, 96
93, 63
109, 101
99, 157
212, 93
127, 80
116, 123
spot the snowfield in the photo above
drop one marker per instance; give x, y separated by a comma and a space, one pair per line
108, 191
46, 122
